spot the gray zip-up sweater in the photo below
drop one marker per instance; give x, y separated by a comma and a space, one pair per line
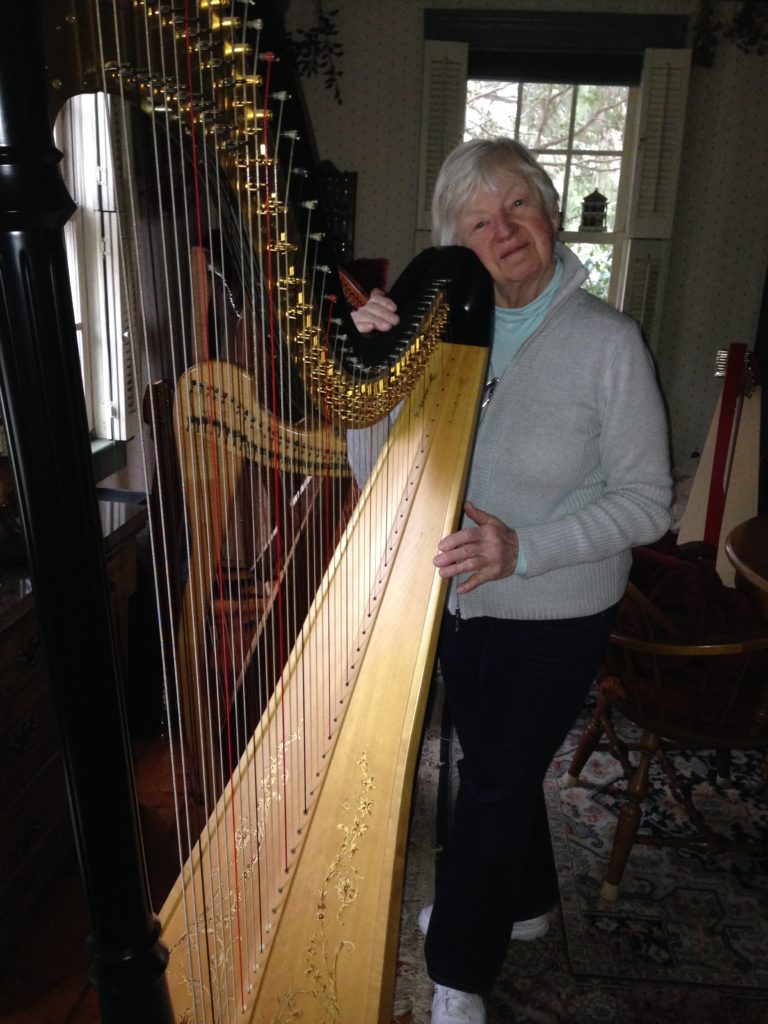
572, 452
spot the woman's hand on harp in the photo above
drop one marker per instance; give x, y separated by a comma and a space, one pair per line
488, 551
378, 314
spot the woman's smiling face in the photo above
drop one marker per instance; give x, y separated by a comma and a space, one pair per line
513, 238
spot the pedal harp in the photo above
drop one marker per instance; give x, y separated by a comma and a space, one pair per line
297, 652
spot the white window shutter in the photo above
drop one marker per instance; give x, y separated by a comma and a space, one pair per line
645, 273
661, 124
444, 99
664, 91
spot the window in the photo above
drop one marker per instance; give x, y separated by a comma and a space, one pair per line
97, 277
578, 133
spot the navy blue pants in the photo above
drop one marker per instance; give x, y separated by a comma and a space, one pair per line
514, 688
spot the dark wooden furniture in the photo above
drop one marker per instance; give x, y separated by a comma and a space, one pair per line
710, 694
747, 549
35, 829
339, 194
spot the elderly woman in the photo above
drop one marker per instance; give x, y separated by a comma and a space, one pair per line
570, 471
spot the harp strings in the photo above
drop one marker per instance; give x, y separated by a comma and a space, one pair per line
159, 533
231, 627
243, 605
216, 884
206, 677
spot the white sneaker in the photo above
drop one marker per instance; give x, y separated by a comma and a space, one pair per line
533, 928
450, 1006
522, 931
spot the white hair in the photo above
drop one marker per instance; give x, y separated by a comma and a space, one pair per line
482, 163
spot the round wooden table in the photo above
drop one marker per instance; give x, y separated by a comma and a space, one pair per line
747, 549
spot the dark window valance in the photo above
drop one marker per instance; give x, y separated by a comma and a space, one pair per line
557, 47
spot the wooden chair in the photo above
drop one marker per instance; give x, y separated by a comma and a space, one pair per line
693, 695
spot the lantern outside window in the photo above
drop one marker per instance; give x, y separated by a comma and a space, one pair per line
593, 212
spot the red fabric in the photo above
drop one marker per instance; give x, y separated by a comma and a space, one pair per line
689, 591
360, 277
690, 703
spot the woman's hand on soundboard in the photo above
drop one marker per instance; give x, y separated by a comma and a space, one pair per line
378, 314
488, 551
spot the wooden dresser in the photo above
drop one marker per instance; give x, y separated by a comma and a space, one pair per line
35, 830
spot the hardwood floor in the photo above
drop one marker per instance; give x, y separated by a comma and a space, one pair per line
44, 977
45, 971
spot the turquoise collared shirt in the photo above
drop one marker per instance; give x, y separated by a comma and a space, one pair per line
511, 327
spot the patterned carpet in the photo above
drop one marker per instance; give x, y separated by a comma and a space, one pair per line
686, 942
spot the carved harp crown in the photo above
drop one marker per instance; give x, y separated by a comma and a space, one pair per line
297, 610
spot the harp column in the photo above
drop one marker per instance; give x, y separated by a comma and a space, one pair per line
42, 402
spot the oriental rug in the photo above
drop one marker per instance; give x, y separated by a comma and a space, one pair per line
687, 941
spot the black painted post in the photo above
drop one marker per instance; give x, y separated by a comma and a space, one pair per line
44, 411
